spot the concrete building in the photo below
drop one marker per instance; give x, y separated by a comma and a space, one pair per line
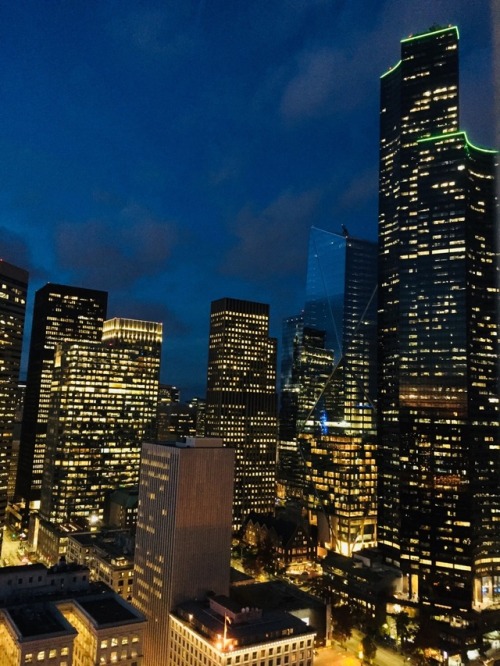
183, 537
109, 554
56, 616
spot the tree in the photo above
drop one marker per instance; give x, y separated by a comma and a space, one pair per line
402, 624
342, 623
369, 648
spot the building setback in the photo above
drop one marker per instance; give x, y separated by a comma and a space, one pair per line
183, 537
61, 314
13, 288
241, 400
439, 460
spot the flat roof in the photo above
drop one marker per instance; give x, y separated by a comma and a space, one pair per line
273, 595
108, 610
271, 625
38, 620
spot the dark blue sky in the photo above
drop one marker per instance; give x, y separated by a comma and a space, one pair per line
176, 152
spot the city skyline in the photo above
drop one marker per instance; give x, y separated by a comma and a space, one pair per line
184, 153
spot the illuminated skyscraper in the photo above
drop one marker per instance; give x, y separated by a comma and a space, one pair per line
439, 463
183, 539
305, 370
241, 399
61, 314
337, 439
103, 403
13, 288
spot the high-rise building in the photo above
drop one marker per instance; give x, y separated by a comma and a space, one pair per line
305, 370
241, 399
13, 289
61, 314
438, 457
183, 537
337, 436
103, 403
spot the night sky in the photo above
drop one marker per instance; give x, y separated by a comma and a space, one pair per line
176, 152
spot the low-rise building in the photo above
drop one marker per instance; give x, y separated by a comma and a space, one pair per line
109, 556
23, 583
288, 541
221, 632
109, 630
56, 617
35, 634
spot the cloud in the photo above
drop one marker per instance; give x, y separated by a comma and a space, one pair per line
272, 242
361, 189
311, 90
117, 251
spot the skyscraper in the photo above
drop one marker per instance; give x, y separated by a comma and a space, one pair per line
337, 439
183, 539
103, 403
439, 462
61, 314
305, 370
241, 399
13, 288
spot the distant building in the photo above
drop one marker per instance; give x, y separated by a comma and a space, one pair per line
176, 421
16, 441
306, 368
183, 537
103, 403
285, 540
109, 555
61, 314
338, 438
13, 289
241, 400
221, 632
120, 508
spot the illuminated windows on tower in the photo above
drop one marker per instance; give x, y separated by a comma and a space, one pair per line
241, 399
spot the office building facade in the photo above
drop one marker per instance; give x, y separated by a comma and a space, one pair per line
183, 537
438, 421
13, 290
61, 314
103, 403
338, 439
241, 400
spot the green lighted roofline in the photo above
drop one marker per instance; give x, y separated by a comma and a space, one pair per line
432, 32
450, 135
392, 69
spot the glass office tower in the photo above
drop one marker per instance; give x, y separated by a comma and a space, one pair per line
338, 437
305, 369
438, 420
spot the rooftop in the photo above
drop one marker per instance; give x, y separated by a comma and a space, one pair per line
109, 610
38, 620
263, 627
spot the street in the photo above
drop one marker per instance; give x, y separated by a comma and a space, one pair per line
338, 656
